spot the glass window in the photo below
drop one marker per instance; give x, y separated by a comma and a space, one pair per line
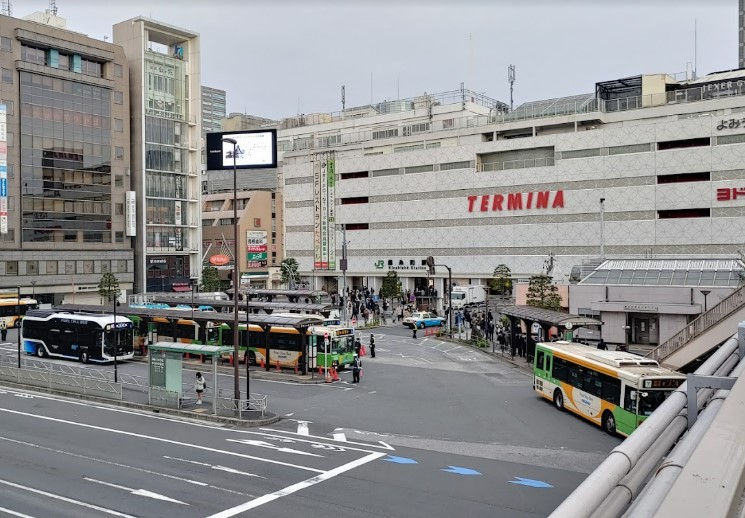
119, 237
32, 267
118, 97
6, 44
7, 75
118, 181
118, 71
119, 153
51, 267
118, 125
11, 268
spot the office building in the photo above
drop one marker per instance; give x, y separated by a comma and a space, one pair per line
213, 112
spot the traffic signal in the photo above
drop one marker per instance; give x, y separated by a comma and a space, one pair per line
431, 264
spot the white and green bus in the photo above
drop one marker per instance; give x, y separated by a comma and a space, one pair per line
613, 389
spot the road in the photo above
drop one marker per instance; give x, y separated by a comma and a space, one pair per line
434, 429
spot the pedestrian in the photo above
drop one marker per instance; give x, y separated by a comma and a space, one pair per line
356, 368
413, 328
3, 330
357, 346
200, 385
372, 346
602, 346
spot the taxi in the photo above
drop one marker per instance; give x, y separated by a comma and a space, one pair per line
422, 319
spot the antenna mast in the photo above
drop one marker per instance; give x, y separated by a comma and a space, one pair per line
7, 8
343, 99
52, 7
511, 79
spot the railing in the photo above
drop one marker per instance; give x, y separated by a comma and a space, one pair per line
516, 164
255, 403
58, 381
725, 308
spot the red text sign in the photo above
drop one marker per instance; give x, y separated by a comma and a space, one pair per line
729, 194
516, 201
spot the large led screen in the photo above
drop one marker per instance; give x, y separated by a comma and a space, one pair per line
255, 149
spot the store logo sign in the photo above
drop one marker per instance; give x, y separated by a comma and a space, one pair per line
516, 201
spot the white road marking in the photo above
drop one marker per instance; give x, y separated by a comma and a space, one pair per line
65, 499
119, 465
160, 439
321, 439
14, 513
302, 428
215, 466
263, 444
451, 350
297, 487
137, 492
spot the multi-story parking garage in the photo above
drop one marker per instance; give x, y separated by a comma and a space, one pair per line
646, 166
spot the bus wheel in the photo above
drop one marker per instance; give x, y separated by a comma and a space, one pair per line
84, 357
609, 423
558, 399
40, 352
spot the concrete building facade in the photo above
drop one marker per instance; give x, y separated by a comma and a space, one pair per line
64, 161
165, 143
213, 112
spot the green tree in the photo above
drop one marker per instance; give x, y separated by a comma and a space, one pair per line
289, 272
543, 293
501, 282
108, 288
391, 286
211, 279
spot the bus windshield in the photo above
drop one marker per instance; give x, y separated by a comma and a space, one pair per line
458, 296
343, 344
649, 400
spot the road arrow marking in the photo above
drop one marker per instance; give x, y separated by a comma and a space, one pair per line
214, 466
530, 482
138, 492
460, 471
263, 444
399, 460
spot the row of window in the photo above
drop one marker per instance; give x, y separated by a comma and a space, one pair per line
70, 236
73, 62
66, 267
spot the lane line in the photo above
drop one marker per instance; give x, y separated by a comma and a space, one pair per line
137, 492
14, 513
65, 499
297, 487
161, 439
321, 440
215, 466
126, 466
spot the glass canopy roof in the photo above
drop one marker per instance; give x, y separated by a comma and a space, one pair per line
668, 272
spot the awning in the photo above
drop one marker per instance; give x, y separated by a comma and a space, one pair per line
181, 288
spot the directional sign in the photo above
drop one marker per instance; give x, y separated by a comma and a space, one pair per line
530, 482
399, 460
460, 471
262, 444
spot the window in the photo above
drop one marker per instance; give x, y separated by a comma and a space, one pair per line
119, 153
611, 390
119, 209
351, 176
539, 359
358, 226
118, 125
355, 200
684, 177
6, 44
455, 165
683, 213
118, 97
64, 62
8, 107
118, 71
632, 148
9, 138
7, 75
419, 169
118, 180
11, 268
561, 369
33, 55
684, 143
414, 128
385, 134
32, 267
448, 124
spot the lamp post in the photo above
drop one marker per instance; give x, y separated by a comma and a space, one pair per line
18, 324
33, 285
431, 264
236, 280
602, 228
705, 293
116, 336
193, 281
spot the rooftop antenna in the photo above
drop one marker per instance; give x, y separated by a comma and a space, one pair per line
695, 46
511, 79
7, 8
343, 99
52, 7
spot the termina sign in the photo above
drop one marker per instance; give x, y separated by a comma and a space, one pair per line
516, 201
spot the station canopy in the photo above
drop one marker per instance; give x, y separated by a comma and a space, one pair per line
549, 317
668, 272
176, 347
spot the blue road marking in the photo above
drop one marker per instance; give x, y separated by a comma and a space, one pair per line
399, 460
530, 482
460, 471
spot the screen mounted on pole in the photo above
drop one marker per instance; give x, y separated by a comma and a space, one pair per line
255, 149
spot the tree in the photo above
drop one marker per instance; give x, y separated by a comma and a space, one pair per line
108, 288
211, 279
289, 271
501, 282
543, 293
391, 286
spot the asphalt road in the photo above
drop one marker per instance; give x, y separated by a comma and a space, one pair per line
434, 429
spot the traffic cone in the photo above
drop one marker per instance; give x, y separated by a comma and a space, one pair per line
231, 359
263, 364
334, 374
279, 369
296, 368
328, 375
363, 351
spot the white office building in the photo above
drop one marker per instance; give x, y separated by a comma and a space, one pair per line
643, 167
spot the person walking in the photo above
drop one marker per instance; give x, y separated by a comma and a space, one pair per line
413, 329
356, 368
602, 346
200, 385
372, 346
3, 330
357, 346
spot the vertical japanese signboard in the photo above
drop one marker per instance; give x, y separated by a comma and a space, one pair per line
324, 200
3, 173
130, 217
256, 248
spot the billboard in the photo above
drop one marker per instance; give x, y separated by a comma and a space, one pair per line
130, 217
3, 173
254, 149
324, 218
256, 248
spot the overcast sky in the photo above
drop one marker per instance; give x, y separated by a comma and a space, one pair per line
278, 58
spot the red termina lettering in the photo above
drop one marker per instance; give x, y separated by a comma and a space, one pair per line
497, 204
484, 203
558, 200
471, 201
542, 201
515, 201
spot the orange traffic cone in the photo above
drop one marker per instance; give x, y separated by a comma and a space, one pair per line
363, 351
296, 368
279, 369
334, 374
263, 364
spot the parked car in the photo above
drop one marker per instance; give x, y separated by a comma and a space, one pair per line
422, 319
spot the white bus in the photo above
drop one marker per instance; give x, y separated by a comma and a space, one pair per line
87, 337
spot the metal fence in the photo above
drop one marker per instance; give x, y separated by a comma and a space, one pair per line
725, 308
57, 381
254, 403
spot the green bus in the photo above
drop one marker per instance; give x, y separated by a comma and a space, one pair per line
613, 389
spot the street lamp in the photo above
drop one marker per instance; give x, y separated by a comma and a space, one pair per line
431, 264
116, 334
602, 228
33, 285
705, 293
193, 281
236, 351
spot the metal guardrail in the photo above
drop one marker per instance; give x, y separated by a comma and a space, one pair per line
725, 308
67, 382
255, 402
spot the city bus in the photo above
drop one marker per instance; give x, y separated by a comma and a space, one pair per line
88, 337
615, 390
339, 351
182, 330
10, 309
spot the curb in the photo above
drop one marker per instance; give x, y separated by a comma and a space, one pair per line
156, 410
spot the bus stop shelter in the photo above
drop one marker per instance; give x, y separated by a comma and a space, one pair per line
165, 368
546, 318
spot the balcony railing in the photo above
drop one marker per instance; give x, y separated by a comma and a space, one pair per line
725, 308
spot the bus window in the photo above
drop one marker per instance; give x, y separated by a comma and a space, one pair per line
650, 400
591, 382
539, 359
560, 371
575, 376
611, 389
629, 399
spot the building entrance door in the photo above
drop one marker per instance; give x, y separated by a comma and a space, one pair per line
645, 330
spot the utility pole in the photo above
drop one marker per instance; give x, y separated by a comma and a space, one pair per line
343, 265
602, 228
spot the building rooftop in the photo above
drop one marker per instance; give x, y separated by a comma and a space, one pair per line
668, 272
